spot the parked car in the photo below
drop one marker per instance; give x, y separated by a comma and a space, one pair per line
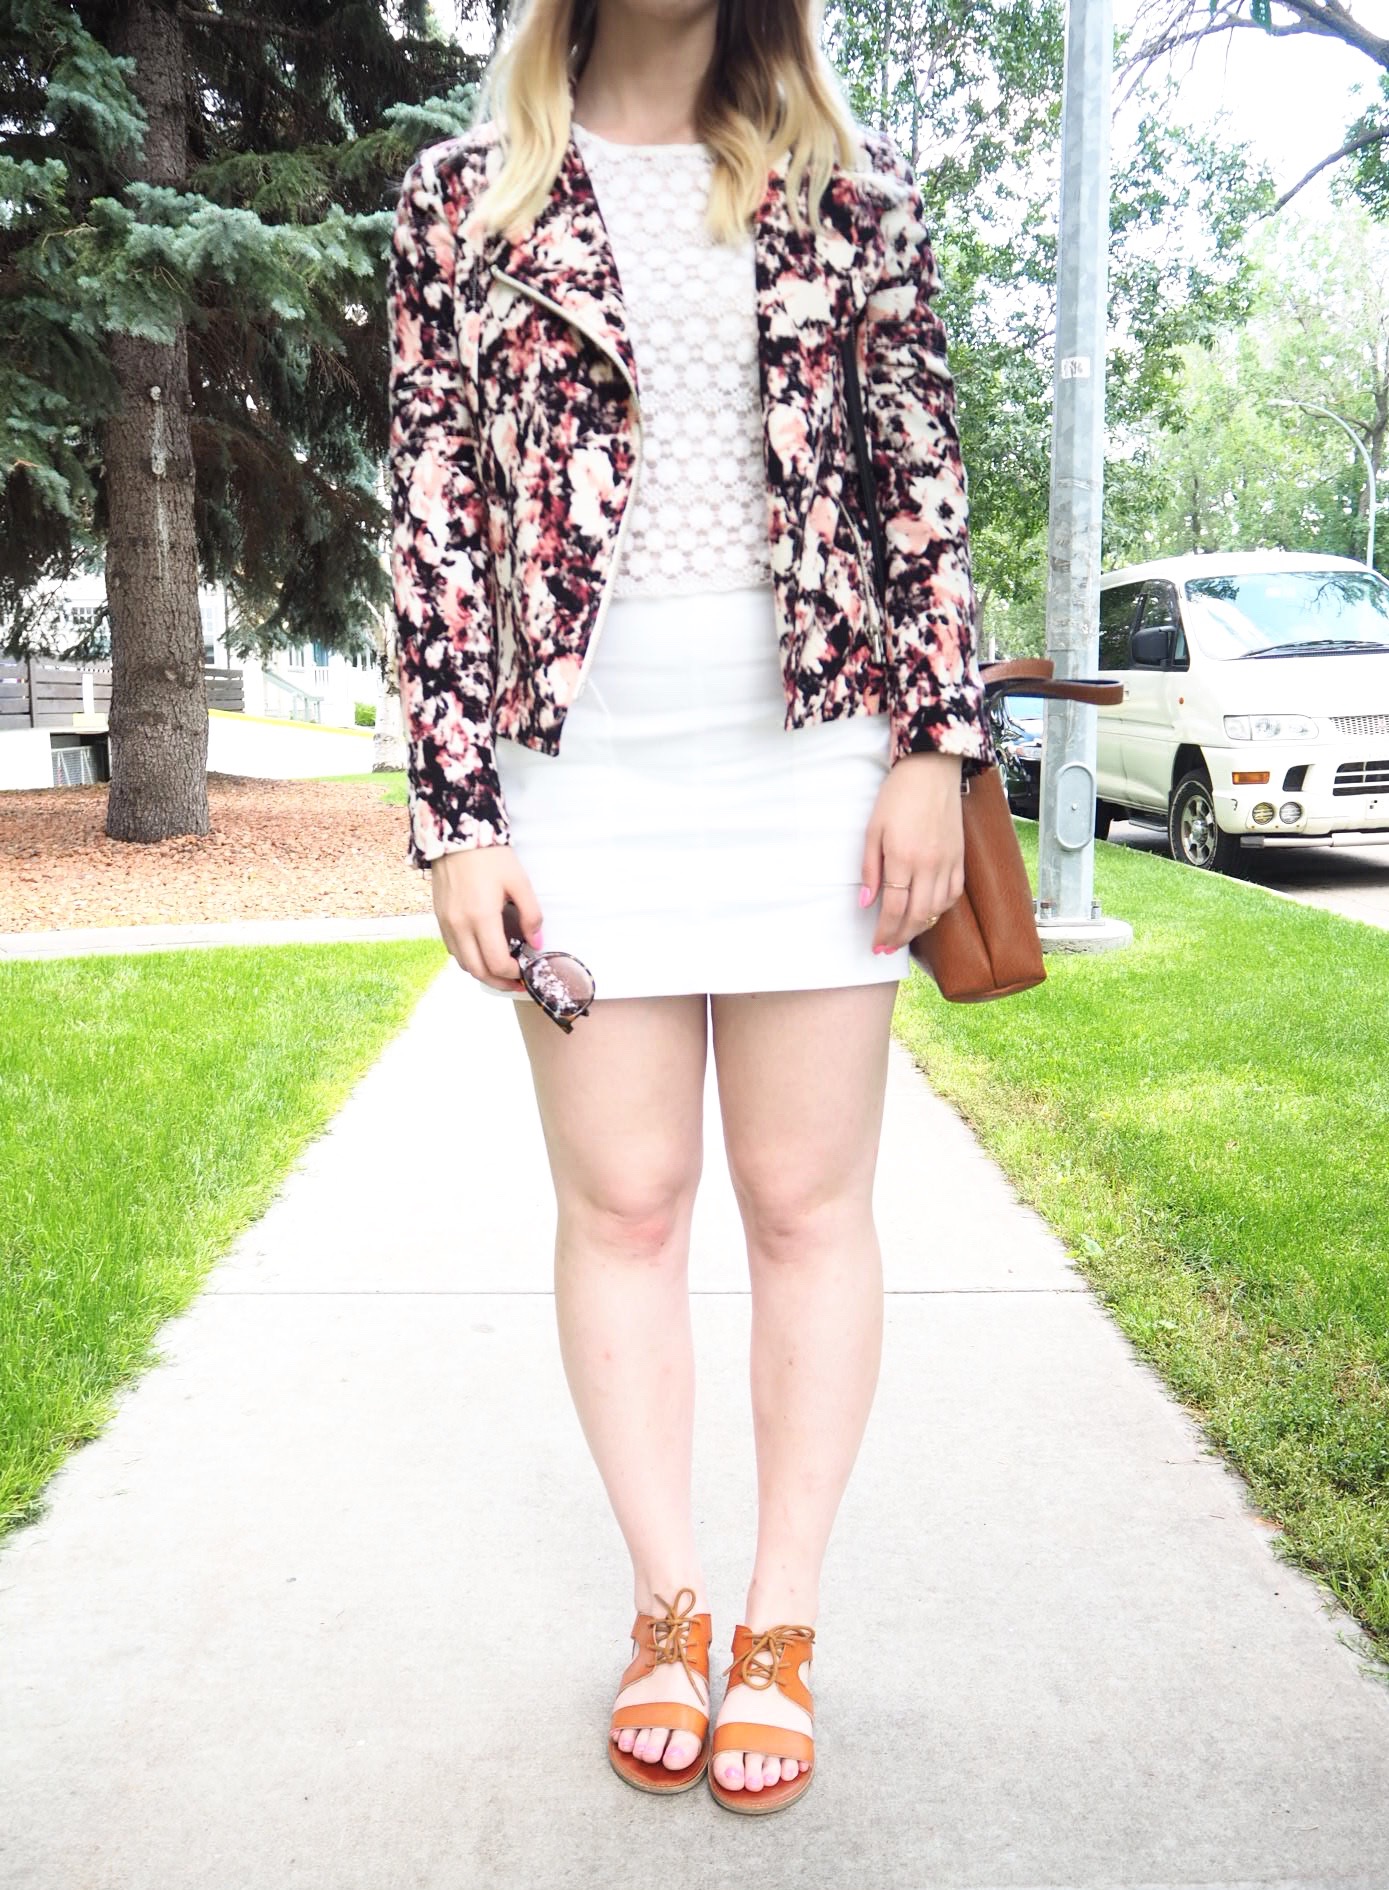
1256, 703
1256, 700
1017, 733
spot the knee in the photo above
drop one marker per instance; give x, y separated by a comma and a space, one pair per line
789, 1215
642, 1220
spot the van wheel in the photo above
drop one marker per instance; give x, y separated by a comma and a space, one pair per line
1195, 838
1104, 815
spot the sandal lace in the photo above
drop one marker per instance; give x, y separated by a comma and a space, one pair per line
670, 1635
763, 1659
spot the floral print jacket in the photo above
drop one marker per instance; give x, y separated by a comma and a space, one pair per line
514, 413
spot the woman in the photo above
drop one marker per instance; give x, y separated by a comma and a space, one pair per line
616, 305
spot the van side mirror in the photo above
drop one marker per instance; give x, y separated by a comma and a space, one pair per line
1151, 645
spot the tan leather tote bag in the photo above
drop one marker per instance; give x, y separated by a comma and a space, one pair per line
986, 944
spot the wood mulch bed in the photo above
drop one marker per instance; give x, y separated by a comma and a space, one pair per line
277, 850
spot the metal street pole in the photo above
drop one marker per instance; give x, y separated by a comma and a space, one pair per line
1068, 916
1311, 406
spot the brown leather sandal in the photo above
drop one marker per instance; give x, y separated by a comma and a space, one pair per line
759, 1660
676, 1635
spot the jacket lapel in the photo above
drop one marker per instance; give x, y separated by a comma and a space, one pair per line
805, 280
567, 257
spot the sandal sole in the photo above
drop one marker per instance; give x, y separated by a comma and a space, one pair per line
644, 1777
761, 1804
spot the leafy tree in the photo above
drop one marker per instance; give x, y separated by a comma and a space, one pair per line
1236, 470
1164, 27
972, 90
192, 347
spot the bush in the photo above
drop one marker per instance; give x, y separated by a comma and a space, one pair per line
366, 714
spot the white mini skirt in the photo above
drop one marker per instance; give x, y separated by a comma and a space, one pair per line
684, 840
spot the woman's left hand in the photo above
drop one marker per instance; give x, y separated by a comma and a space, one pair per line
914, 850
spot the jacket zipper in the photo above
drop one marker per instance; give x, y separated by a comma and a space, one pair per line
870, 587
568, 316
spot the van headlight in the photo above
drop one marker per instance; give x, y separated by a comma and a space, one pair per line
1270, 728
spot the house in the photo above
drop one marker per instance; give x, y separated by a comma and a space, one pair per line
53, 704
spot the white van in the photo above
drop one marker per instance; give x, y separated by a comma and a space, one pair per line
1256, 700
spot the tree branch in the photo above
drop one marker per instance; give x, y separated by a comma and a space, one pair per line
1330, 16
248, 23
1326, 19
1362, 143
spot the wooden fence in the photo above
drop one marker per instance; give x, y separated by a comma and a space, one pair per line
36, 692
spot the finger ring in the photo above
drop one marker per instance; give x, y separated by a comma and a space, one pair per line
903, 886
931, 921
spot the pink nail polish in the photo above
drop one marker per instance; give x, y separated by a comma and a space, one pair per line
864, 896
535, 938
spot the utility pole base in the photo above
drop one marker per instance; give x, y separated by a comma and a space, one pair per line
1083, 935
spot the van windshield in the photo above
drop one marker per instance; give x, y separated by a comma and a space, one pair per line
1287, 613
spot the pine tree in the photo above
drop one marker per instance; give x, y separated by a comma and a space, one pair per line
192, 337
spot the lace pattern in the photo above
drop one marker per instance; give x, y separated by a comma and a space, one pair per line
699, 510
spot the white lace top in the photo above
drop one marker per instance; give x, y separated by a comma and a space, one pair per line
699, 512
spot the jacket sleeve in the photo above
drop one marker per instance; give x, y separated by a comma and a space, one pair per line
446, 640
935, 692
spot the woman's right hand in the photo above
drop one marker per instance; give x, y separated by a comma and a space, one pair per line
470, 887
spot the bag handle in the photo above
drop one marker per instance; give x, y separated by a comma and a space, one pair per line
1032, 676
848, 348
1016, 675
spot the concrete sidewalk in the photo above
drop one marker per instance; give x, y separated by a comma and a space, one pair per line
336, 1602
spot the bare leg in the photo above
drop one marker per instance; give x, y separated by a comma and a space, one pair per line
622, 1104
801, 1082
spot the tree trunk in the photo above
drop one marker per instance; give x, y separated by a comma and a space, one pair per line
158, 714
388, 748
1379, 426
986, 643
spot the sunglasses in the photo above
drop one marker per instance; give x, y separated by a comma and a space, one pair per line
561, 984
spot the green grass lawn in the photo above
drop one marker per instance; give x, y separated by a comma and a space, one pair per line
1203, 1117
391, 781
149, 1106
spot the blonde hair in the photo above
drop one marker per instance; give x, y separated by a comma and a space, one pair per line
769, 90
